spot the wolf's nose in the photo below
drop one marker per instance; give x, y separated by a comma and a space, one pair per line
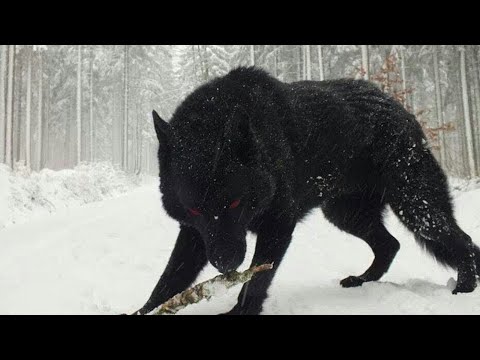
225, 266
222, 267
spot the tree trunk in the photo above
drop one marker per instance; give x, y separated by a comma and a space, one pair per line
91, 125
135, 142
206, 66
413, 102
3, 70
299, 63
79, 105
39, 113
202, 63
466, 115
138, 160
67, 142
28, 117
308, 63
476, 49
320, 63
117, 123
365, 62
47, 156
125, 110
476, 97
17, 109
194, 64
438, 107
275, 63
303, 56
404, 76
10, 88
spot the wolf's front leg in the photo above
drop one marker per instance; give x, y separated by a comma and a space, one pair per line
273, 239
187, 260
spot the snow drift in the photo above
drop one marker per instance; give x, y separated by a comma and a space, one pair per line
24, 194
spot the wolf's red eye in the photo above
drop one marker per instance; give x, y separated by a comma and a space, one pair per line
234, 204
194, 212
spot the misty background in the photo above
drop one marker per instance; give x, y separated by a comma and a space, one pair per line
65, 105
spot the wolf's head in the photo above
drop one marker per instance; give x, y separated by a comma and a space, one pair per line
211, 178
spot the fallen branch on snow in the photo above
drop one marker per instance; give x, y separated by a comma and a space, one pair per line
207, 289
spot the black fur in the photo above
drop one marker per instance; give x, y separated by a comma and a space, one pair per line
284, 149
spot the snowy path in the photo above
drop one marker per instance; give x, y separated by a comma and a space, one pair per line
105, 258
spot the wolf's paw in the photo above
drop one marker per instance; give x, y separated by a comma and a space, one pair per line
466, 287
352, 281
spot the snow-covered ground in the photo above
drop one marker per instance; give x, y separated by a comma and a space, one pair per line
105, 256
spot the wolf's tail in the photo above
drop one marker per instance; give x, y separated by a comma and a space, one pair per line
418, 193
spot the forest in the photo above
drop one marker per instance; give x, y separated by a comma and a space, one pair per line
63, 105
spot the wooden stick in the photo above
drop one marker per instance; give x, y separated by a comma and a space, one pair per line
207, 289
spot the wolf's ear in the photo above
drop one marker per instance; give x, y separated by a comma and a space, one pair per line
162, 128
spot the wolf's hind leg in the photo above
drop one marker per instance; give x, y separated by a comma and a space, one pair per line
361, 216
384, 247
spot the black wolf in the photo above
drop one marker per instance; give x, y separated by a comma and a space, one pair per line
246, 152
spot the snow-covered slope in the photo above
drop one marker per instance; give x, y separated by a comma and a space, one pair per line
105, 258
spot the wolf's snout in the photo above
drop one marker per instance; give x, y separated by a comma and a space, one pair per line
226, 246
226, 259
225, 266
